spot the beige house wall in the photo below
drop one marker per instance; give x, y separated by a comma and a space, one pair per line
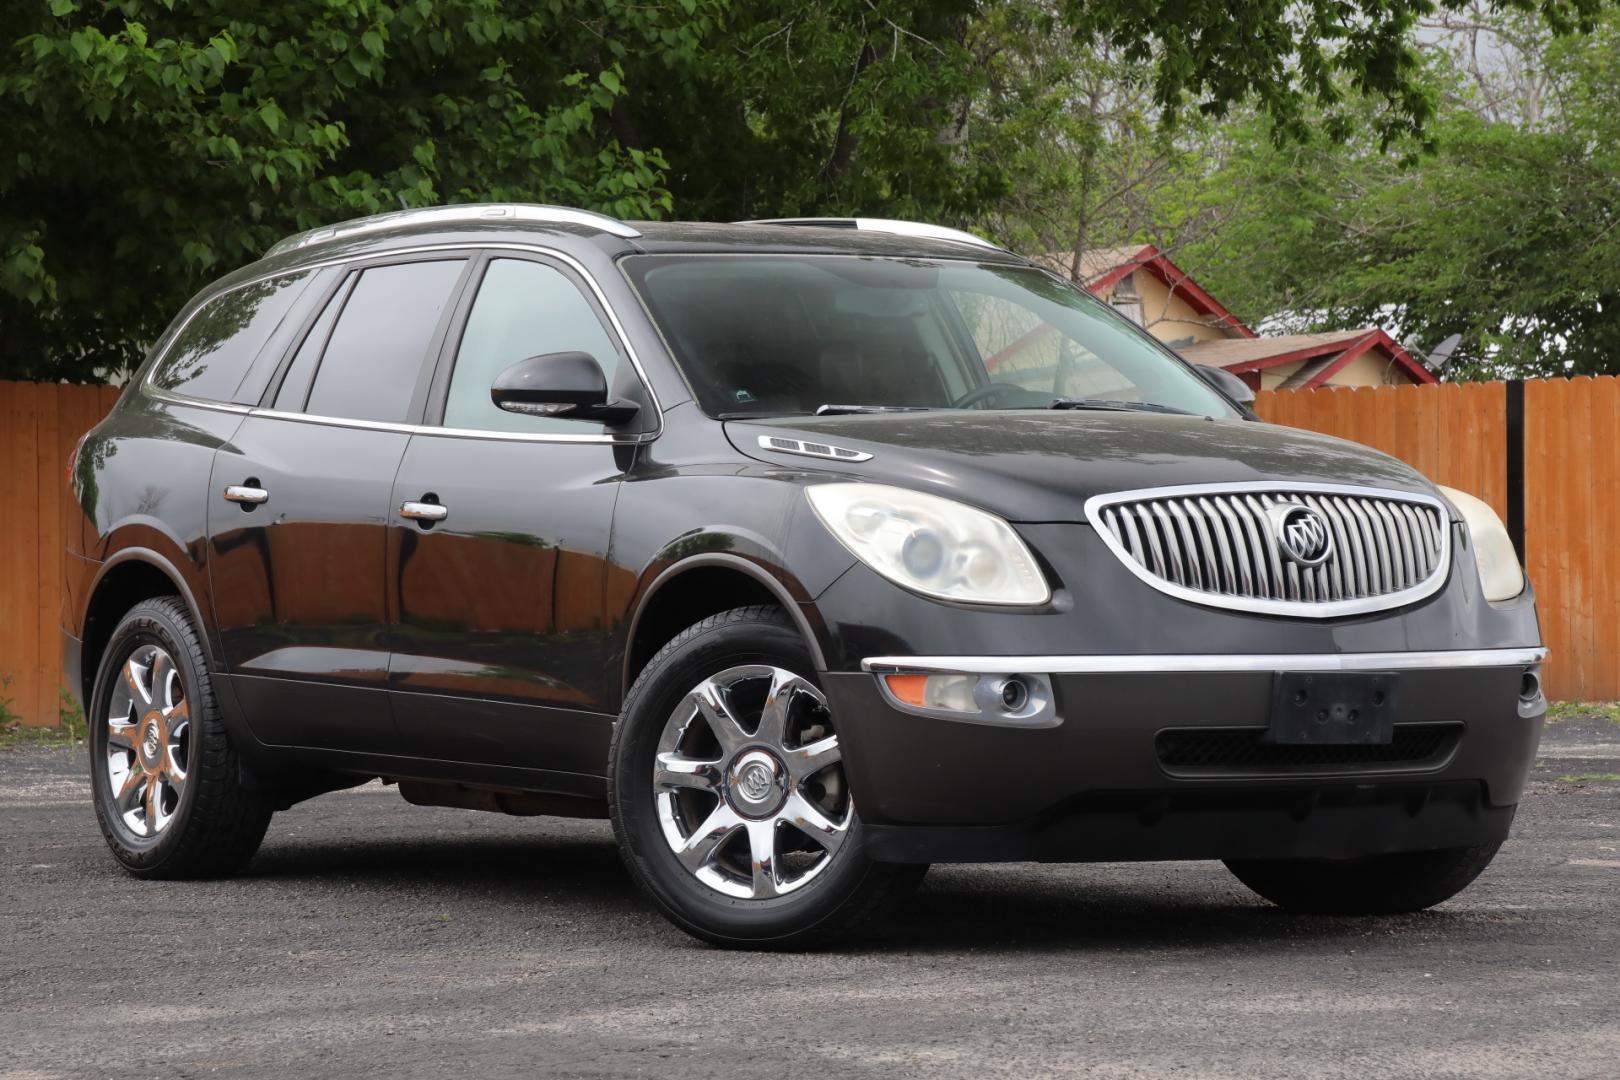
1372, 368
1168, 316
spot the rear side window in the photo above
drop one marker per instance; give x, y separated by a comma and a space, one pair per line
523, 309
213, 352
373, 360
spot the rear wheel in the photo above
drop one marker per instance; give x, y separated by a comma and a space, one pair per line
1391, 884
728, 793
168, 788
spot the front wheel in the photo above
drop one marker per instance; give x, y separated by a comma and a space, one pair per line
728, 793
1393, 884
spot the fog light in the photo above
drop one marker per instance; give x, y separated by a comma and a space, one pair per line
1012, 700
1530, 686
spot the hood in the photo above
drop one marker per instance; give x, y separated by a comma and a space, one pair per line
1042, 466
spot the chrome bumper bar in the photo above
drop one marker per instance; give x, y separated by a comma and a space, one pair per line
1206, 662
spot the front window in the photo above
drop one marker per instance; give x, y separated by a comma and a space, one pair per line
784, 335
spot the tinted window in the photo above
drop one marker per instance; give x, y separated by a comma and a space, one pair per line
374, 358
294, 389
523, 309
214, 351
783, 335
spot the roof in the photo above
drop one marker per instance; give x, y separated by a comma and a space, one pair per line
1103, 268
1324, 354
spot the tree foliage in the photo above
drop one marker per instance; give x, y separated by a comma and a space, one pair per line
146, 145
151, 145
1506, 233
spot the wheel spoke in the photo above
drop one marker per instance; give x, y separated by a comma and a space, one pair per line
158, 677
675, 771
717, 828
138, 693
149, 801
126, 798
711, 705
805, 816
762, 858
811, 758
773, 720
121, 733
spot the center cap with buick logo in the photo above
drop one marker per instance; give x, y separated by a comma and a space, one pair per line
758, 783
1302, 533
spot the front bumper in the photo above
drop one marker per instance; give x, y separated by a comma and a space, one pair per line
1109, 780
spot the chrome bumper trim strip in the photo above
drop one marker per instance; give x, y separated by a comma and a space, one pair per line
1206, 662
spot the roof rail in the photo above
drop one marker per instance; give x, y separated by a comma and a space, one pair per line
494, 212
887, 225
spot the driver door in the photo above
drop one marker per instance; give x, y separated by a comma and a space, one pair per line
501, 647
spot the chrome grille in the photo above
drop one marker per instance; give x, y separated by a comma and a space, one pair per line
1219, 545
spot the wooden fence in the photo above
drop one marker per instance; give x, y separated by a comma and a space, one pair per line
1457, 434
39, 423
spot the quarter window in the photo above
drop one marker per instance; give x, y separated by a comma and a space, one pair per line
212, 354
373, 362
523, 309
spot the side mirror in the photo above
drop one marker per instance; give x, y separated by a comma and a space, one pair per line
1228, 384
567, 385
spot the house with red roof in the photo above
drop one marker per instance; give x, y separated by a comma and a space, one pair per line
1144, 284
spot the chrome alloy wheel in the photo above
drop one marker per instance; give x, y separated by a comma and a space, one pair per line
148, 741
749, 783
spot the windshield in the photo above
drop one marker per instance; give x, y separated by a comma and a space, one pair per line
785, 335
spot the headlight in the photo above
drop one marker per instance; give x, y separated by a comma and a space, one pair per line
1499, 569
931, 545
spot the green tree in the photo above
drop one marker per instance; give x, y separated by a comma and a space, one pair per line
148, 146
1504, 233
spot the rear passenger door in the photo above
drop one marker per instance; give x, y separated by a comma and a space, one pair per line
501, 645
299, 509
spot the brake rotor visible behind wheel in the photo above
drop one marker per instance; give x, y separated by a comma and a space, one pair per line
168, 788
728, 793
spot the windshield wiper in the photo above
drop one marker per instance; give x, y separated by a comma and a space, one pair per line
848, 410
1108, 404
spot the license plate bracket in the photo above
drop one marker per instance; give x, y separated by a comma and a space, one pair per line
1327, 708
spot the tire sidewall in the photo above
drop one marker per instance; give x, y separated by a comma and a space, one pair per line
146, 624
696, 907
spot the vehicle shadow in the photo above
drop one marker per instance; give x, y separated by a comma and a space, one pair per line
1009, 909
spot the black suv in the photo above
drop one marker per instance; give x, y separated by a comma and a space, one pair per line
809, 552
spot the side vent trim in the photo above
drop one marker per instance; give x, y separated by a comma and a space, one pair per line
826, 451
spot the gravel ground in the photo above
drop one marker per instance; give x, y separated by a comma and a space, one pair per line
370, 937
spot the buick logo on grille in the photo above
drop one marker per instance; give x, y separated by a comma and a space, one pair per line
1302, 533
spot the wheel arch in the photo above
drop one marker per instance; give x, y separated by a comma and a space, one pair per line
125, 579
696, 587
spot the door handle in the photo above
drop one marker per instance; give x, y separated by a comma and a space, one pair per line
248, 496
424, 511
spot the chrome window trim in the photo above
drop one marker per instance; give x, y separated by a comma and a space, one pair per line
147, 389
1214, 663
1299, 609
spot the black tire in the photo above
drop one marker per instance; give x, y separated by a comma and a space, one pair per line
217, 821
1394, 884
850, 892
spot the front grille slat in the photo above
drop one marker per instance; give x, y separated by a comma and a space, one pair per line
1222, 545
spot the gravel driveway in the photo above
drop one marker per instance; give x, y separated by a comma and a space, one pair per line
370, 937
